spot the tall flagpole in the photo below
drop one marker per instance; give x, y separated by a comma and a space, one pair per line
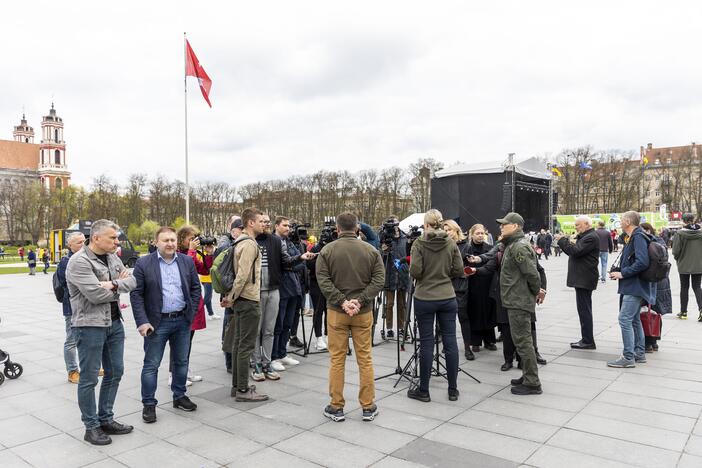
185, 94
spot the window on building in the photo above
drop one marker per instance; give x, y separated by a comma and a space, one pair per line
56, 135
658, 193
57, 157
59, 183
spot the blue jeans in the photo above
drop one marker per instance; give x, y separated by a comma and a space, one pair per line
632, 330
207, 297
286, 315
445, 312
70, 355
176, 331
603, 265
98, 345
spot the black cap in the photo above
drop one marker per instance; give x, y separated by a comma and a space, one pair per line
512, 218
237, 224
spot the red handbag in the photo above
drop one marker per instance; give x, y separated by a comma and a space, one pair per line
651, 322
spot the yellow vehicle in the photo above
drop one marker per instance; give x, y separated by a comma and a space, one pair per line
57, 243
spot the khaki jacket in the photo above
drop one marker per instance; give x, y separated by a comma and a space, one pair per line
247, 266
519, 279
349, 268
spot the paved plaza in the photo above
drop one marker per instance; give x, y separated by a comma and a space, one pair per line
588, 415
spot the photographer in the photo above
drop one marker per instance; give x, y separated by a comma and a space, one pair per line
436, 260
393, 246
205, 257
298, 235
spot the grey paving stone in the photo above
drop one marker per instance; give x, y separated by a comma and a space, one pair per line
641, 416
167, 424
689, 461
392, 462
614, 449
162, 453
401, 402
272, 458
505, 425
11, 460
214, 444
436, 454
327, 451
523, 410
694, 445
658, 392
631, 432
305, 417
120, 443
489, 443
257, 428
222, 396
554, 457
650, 403
546, 400
365, 433
106, 463
23, 429
402, 421
58, 451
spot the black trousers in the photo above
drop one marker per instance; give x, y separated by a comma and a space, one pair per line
319, 304
583, 301
509, 351
478, 337
685, 289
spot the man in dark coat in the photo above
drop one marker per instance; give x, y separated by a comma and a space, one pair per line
583, 257
393, 246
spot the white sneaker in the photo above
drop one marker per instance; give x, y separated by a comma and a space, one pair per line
194, 378
277, 366
214, 317
188, 382
288, 361
321, 344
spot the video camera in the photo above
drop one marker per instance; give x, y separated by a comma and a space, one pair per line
415, 232
298, 232
387, 231
207, 240
328, 233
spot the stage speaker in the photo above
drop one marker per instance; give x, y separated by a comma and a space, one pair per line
555, 203
506, 198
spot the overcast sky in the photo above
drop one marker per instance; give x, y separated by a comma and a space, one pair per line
302, 86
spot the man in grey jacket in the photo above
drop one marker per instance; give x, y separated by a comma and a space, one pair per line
95, 277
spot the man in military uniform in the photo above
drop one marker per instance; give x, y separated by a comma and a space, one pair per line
520, 291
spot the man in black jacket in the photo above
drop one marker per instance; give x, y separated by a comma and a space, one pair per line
583, 257
606, 247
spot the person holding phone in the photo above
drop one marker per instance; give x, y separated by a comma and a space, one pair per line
164, 302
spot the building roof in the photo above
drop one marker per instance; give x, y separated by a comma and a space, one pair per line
530, 167
18, 155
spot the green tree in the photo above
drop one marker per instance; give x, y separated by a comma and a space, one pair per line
134, 234
148, 229
179, 222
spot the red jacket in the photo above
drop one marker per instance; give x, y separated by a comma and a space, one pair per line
199, 321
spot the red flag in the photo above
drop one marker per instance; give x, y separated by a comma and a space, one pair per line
193, 68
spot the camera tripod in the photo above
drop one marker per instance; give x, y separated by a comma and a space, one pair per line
403, 373
438, 361
306, 342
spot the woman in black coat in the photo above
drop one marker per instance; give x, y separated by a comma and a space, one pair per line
460, 285
481, 307
664, 298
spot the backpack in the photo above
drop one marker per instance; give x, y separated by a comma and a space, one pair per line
59, 291
223, 272
658, 264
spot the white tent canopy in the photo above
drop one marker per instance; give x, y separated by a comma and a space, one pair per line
530, 167
416, 219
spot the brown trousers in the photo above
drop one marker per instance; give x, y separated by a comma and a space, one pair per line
401, 296
339, 324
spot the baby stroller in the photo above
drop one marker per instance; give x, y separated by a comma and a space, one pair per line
12, 369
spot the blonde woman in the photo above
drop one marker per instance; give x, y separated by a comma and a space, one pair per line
435, 261
460, 285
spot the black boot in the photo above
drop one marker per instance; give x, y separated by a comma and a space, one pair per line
469, 354
97, 437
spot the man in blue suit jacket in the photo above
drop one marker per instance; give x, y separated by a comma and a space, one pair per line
164, 303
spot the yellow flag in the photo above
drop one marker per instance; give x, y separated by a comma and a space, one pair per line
557, 172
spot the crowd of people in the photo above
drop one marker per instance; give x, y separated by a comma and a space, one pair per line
450, 275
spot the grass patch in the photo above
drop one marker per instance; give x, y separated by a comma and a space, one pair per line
25, 270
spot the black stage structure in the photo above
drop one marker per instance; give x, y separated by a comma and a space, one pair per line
482, 192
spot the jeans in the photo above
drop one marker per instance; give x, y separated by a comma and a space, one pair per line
70, 355
632, 330
99, 345
207, 297
340, 324
227, 354
175, 331
604, 256
685, 287
583, 301
445, 313
286, 314
264, 338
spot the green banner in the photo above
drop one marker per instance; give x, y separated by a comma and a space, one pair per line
566, 223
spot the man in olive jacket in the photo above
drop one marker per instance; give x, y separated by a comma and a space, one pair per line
350, 274
687, 250
583, 257
520, 290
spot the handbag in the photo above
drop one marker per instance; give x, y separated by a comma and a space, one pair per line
651, 322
